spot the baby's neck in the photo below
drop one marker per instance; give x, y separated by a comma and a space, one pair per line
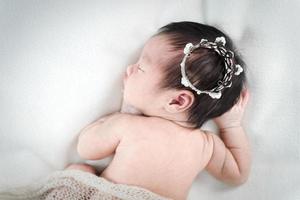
126, 108
132, 110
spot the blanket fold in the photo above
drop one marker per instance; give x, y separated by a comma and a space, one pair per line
79, 185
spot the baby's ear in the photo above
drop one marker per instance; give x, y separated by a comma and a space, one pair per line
179, 101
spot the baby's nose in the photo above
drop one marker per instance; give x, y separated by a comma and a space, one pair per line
129, 70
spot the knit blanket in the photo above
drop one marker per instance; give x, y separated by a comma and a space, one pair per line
78, 185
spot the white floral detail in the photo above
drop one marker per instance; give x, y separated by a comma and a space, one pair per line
230, 67
220, 40
188, 48
239, 69
215, 95
229, 84
184, 82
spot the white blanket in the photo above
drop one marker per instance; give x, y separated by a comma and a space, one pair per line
61, 64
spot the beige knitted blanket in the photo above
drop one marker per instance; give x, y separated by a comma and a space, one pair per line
78, 185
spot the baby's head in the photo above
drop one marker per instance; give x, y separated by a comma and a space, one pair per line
154, 86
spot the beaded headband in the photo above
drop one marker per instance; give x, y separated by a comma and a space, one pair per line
230, 67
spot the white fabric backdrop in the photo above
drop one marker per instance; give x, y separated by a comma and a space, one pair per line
61, 64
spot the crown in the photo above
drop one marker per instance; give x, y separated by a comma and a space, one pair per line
230, 68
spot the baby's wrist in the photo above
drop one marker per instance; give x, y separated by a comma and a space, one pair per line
230, 127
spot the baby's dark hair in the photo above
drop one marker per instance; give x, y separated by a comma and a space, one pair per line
204, 68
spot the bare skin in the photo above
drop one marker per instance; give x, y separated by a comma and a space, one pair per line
154, 146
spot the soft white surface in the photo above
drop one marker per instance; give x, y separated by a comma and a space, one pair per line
61, 64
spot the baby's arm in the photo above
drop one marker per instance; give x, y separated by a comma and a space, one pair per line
231, 159
100, 139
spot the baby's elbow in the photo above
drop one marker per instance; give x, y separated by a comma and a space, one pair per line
84, 147
81, 149
238, 180
239, 176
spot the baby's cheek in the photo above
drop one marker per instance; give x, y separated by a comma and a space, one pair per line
137, 87
131, 91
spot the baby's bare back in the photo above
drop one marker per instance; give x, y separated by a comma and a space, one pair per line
160, 156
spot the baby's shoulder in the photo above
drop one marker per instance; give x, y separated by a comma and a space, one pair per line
139, 124
143, 121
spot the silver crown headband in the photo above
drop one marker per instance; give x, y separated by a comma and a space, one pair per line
230, 67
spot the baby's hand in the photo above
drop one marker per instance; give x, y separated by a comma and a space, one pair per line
233, 117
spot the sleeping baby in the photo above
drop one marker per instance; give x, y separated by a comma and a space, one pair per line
187, 73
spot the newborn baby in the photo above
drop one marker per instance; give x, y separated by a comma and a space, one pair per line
186, 74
